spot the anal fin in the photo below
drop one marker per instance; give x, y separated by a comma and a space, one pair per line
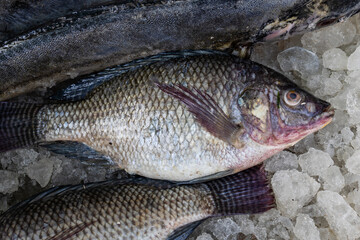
184, 232
77, 150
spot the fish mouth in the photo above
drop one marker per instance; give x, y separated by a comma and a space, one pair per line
321, 120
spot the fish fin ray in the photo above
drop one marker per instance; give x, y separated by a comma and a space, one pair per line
77, 150
80, 87
184, 232
246, 192
18, 125
61, 190
72, 231
206, 111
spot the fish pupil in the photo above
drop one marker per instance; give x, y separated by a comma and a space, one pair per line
293, 96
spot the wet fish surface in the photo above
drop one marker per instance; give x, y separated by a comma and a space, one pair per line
96, 37
178, 117
135, 208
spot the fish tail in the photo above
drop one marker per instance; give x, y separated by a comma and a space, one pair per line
19, 126
246, 192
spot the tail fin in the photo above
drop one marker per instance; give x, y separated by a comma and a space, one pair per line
245, 192
18, 125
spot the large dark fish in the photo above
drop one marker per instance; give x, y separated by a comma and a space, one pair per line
177, 116
93, 39
134, 208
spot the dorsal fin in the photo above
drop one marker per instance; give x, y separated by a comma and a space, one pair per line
78, 88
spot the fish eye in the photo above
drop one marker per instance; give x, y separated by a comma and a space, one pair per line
292, 98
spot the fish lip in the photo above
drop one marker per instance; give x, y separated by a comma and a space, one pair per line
324, 118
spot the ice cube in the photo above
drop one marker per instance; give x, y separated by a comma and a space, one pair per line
204, 236
331, 85
353, 78
342, 219
41, 171
9, 181
335, 59
282, 161
314, 162
304, 145
312, 210
333, 179
339, 101
344, 153
354, 198
353, 163
224, 228
330, 37
355, 143
293, 190
246, 225
327, 234
299, 59
305, 228
347, 135
354, 60
24, 157
353, 105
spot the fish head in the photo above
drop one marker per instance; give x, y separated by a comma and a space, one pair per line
277, 112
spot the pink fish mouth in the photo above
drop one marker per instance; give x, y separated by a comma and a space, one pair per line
317, 123
323, 119
288, 136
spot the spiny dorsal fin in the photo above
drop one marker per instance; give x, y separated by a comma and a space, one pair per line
206, 111
79, 88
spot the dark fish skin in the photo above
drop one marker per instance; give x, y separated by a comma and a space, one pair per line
18, 17
111, 35
180, 117
133, 209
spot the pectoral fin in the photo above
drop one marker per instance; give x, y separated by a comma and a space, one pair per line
205, 109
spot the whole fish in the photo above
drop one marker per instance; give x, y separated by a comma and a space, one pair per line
61, 44
178, 117
134, 208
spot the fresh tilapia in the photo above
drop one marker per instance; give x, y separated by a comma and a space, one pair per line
134, 208
67, 44
179, 116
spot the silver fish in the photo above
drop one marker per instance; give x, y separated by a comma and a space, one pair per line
134, 209
178, 117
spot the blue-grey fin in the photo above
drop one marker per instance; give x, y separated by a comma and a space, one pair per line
78, 88
209, 177
60, 190
80, 151
184, 232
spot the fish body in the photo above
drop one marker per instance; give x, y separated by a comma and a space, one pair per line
59, 43
181, 117
133, 208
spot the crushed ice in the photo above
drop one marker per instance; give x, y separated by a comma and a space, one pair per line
316, 183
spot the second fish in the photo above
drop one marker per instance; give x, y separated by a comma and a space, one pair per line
177, 116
